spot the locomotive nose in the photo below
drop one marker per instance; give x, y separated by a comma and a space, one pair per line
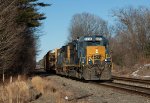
95, 54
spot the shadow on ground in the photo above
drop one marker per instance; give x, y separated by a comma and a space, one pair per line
41, 73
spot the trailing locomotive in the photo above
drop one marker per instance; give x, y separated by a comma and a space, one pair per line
86, 58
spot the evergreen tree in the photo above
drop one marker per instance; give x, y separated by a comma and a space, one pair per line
28, 17
28, 13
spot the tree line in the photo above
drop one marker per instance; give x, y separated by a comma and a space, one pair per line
131, 43
19, 20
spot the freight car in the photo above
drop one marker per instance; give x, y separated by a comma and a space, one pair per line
85, 58
49, 62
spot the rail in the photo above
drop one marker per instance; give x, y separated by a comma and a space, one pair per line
143, 81
132, 85
129, 88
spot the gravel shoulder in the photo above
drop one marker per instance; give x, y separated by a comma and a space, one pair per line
73, 91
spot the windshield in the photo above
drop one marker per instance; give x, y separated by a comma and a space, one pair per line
94, 43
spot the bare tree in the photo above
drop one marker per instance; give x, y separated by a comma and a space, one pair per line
132, 34
10, 38
87, 24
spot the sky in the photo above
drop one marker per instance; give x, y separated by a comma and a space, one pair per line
55, 28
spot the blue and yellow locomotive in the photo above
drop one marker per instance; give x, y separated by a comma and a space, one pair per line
86, 58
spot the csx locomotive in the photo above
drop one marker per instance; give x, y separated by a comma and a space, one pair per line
86, 58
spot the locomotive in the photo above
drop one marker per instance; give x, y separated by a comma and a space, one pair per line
86, 58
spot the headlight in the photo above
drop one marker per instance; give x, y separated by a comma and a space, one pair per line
107, 60
82, 60
90, 61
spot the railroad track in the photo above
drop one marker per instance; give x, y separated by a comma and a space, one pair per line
137, 86
127, 84
129, 88
133, 80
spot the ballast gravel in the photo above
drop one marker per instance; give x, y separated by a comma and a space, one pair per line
92, 93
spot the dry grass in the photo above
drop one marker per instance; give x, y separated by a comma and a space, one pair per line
51, 88
44, 86
15, 92
18, 91
48, 87
38, 83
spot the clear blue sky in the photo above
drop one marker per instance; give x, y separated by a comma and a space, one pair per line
55, 27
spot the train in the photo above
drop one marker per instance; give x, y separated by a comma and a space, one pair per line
87, 57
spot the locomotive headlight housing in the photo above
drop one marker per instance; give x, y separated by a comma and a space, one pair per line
108, 60
90, 61
98, 39
96, 51
83, 60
